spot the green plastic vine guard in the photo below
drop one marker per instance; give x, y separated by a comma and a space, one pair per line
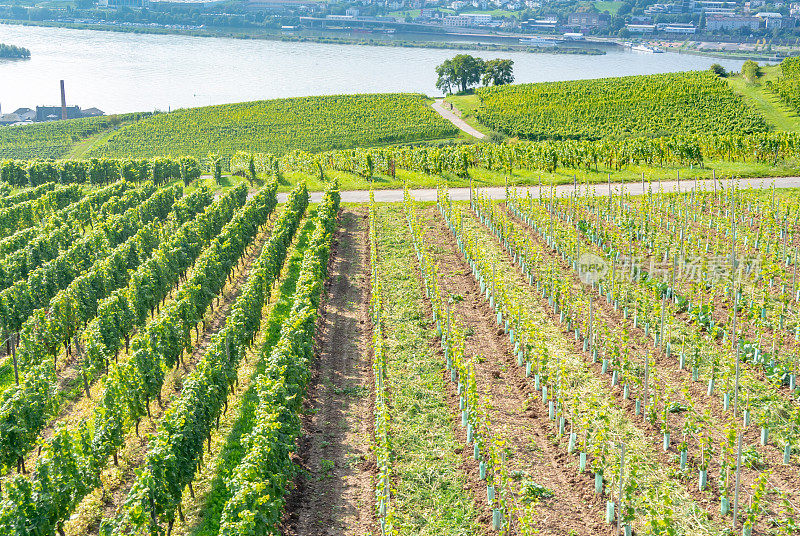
490, 493
702, 480
482, 470
528, 369
582, 462
476, 451
764, 435
598, 483
724, 506
609, 512
787, 453
684, 456
497, 519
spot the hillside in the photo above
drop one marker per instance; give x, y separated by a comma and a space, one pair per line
662, 104
56, 138
282, 125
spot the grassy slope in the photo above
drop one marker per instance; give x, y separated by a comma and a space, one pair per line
429, 492
777, 114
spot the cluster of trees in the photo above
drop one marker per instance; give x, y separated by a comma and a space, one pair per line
464, 71
12, 51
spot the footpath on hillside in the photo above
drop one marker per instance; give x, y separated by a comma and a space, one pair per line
448, 114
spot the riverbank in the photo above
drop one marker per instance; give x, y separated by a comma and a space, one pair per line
292, 38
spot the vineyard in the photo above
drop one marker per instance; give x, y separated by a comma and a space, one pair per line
54, 139
184, 354
787, 87
652, 105
181, 361
280, 126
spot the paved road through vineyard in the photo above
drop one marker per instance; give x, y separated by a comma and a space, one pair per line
634, 188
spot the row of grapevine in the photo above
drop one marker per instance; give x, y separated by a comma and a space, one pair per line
561, 384
787, 86
49, 245
675, 103
130, 385
74, 216
23, 297
122, 311
30, 213
641, 298
27, 194
549, 155
383, 443
487, 448
26, 408
172, 459
257, 490
97, 171
73, 308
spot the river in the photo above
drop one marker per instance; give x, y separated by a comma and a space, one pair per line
126, 72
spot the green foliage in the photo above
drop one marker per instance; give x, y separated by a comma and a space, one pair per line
174, 454
259, 484
751, 71
498, 72
280, 126
718, 70
53, 139
128, 386
653, 105
14, 52
531, 492
787, 87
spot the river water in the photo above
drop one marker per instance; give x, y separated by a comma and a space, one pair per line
126, 72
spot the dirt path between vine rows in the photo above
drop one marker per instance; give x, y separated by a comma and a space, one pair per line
524, 425
333, 493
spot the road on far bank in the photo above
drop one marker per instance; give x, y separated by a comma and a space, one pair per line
499, 192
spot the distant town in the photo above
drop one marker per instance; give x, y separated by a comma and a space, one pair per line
767, 21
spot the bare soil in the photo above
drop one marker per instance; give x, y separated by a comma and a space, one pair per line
525, 426
333, 493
